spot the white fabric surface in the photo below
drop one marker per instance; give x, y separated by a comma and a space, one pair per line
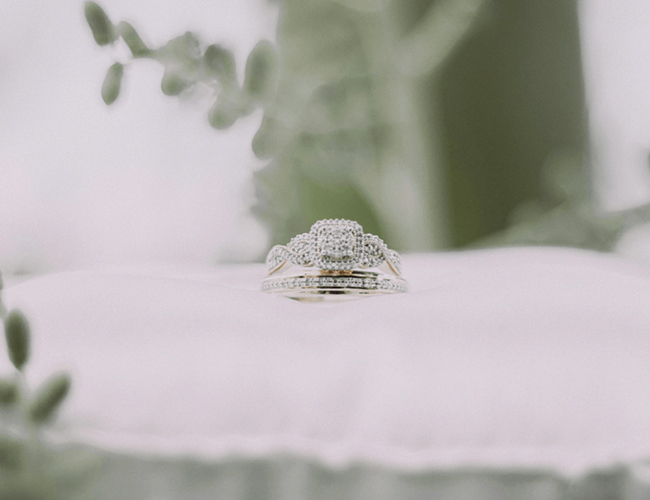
525, 357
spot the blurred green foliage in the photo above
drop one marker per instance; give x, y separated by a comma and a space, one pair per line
511, 106
566, 215
339, 142
30, 468
433, 123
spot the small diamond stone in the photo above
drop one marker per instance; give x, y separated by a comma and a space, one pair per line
338, 243
373, 251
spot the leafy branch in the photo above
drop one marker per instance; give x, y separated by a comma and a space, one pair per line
343, 124
187, 64
28, 467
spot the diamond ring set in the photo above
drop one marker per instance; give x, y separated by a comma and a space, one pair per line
334, 260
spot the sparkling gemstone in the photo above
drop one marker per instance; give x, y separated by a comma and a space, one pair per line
372, 251
300, 250
336, 243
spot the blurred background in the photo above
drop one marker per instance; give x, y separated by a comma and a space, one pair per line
437, 124
205, 131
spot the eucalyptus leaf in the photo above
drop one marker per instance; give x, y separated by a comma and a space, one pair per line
224, 113
133, 41
49, 397
8, 392
261, 70
220, 62
17, 334
173, 82
112, 83
183, 48
100, 25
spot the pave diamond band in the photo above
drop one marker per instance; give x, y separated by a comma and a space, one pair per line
333, 285
334, 245
335, 260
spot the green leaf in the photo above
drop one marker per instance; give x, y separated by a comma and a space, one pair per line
173, 82
223, 114
183, 48
112, 83
133, 41
101, 26
8, 392
261, 70
49, 396
220, 62
17, 335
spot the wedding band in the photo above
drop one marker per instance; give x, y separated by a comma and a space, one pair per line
334, 260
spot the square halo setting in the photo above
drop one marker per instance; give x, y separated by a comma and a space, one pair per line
336, 244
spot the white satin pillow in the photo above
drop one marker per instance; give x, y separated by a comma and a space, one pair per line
512, 357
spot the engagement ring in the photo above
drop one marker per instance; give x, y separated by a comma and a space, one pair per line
335, 259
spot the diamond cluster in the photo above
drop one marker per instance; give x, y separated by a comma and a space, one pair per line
276, 257
334, 244
335, 282
296, 252
299, 247
374, 250
337, 244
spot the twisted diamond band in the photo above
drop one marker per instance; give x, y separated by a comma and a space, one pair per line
345, 263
